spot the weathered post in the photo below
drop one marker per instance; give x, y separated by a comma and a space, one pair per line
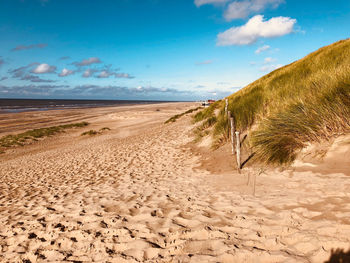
226, 106
231, 130
228, 123
232, 134
238, 151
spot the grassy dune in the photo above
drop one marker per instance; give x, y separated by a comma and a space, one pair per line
306, 101
177, 116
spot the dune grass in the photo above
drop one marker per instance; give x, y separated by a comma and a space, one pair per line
207, 112
177, 116
280, 136
33, 135
90, 133
94, 132
202, 129
306, 101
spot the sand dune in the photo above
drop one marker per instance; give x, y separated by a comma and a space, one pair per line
136, 194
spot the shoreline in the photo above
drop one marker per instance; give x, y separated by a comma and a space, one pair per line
75, 104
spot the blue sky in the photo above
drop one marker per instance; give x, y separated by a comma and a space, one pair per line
156, 49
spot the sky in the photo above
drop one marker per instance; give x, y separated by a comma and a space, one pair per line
156, 49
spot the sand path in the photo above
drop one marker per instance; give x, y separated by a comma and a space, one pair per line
140, 198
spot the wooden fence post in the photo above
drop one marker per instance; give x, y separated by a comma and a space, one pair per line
228, 123
238, 151
226, 106
232, 135
231, 130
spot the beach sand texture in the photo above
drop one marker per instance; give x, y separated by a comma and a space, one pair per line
138, 193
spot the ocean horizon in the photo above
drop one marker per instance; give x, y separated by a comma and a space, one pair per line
24, 105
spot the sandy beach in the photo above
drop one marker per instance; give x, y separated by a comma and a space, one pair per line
142, 192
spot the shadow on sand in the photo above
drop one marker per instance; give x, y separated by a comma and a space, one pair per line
339, 256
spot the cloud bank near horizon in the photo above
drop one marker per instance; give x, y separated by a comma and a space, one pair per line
86, 91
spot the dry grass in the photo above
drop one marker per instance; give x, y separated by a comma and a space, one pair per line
306, 101
33, 135
280, 136
177, 116
90, 133
202, 130
94, 132
207, 112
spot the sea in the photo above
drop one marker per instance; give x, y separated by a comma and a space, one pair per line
22, 105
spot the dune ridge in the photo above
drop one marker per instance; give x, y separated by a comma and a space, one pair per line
307, 101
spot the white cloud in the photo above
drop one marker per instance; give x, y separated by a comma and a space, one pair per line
123, 75
91, 91
108, 73
262, 49
269, 60
256, 28
269, 68
150, 89
66, 72
44, 68
199, 3
88, 73
22, 73
103, 74
88, 61
242, 9
237, 10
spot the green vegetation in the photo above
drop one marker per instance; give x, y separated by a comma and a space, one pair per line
90, 132
280, 136
202, 130
177, 116
207, 112
306, 101
33, 135
93, 132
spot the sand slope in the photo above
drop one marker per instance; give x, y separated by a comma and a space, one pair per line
137, 196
